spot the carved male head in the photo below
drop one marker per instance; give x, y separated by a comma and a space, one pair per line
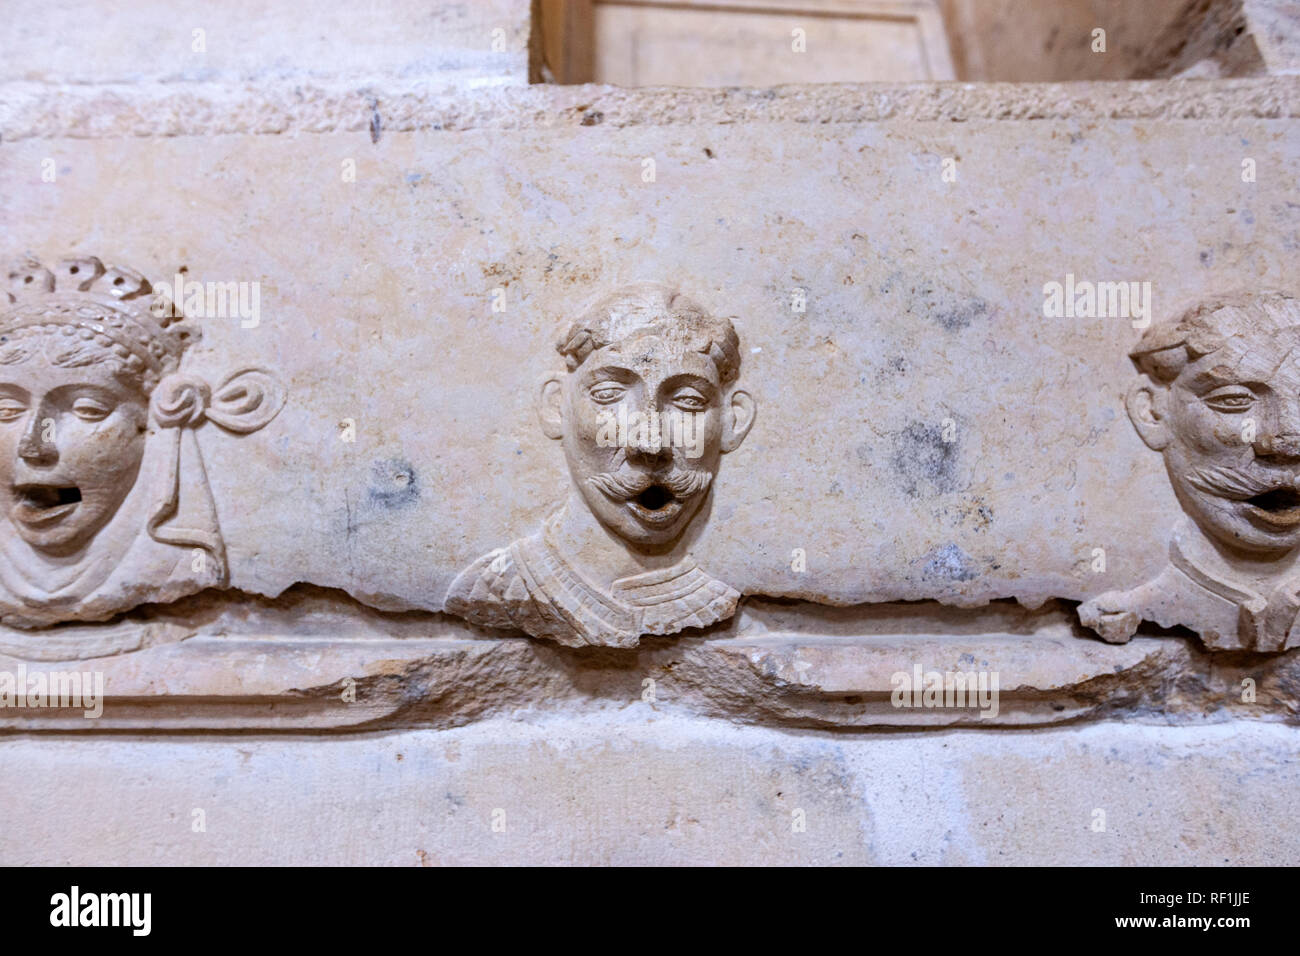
1219, 397
647, 408
80, 358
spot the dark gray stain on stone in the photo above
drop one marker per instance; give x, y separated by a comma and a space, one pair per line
393, 484
952, 311
948, 563
923, 462
959, 315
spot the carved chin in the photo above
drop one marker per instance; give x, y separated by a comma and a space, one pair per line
1269, 522
55, 518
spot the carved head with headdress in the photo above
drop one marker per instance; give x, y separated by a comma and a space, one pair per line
95, 413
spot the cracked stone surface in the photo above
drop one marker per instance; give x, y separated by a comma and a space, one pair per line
911, 469
315, 660
917, 327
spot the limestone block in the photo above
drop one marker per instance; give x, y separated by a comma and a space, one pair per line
892, 410
1275, 28
332, 419
634, 789
254, 41
314, 660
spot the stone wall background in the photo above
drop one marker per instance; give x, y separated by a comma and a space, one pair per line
924, 306
924, 303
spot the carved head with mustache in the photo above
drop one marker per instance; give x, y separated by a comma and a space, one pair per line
645, 353
1219, 397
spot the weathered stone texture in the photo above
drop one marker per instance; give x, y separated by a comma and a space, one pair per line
907, 467
66, 43
640, 789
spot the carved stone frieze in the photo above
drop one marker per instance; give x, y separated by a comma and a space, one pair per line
645, 411
105, 495
1218, 396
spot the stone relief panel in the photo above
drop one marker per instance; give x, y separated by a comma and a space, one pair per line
929, 433
105, 495
1218, 396
648, 406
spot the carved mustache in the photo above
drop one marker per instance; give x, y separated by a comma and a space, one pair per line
623, 486
1239, 485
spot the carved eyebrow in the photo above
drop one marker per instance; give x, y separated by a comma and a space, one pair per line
15, 391
695, 381
1217, 376
617, 372
77, 389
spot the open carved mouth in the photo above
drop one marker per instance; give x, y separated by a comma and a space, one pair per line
39, 504
656, 505
1279, 507
655, 497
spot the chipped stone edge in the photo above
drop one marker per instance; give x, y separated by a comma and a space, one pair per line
36, 110
432, 671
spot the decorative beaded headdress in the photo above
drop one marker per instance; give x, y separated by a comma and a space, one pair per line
114, 306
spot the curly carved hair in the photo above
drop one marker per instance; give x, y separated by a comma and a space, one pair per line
66, 347
650, 307
1166, 348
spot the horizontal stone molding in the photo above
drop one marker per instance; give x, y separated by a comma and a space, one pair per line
44, 111
922, 343
316, 662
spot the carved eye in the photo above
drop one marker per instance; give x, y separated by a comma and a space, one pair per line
11, 409
89, 410
689, 400
1230, 400
606, 393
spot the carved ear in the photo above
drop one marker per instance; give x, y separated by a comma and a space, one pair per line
550, 407
737, 419
247, 400
1146, 403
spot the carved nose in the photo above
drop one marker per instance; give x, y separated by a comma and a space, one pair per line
649, 453
34, 449
646, 445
